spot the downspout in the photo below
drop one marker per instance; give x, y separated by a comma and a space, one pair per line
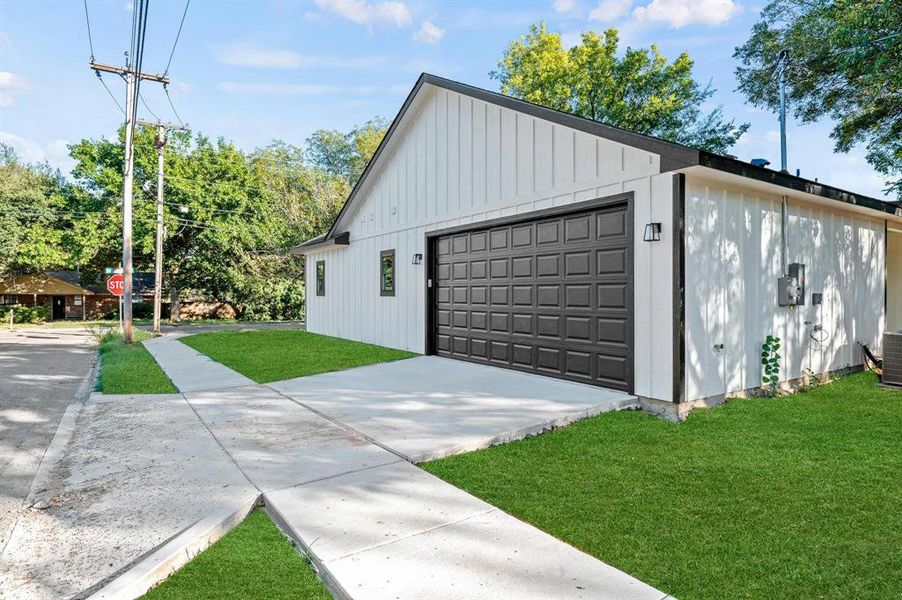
784, 217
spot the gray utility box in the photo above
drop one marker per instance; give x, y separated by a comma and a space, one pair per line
791, 287
892, 359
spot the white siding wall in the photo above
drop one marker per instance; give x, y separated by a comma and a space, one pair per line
732, 266
894, 280
459, 160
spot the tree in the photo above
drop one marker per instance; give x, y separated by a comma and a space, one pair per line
346, 154
35, 216
639, 90
844, 63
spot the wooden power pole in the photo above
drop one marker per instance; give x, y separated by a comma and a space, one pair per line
131, 76
160, 145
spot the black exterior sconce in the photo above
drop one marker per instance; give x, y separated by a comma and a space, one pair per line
417, 258
652, 232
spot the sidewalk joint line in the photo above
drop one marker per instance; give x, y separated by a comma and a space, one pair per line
479, 513
218, 443
344, 426
328, 477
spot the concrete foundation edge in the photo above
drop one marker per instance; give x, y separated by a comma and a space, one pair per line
678, 412
164, 560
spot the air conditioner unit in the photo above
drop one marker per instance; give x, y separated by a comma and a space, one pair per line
892, 358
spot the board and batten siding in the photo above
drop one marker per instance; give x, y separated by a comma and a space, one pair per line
457, 160
894, 280
732, 266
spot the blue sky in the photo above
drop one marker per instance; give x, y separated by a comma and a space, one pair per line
254, 71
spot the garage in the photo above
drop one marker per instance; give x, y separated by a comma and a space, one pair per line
548, 293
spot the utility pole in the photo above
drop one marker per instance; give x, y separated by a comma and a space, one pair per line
131, 76
783, 58
160, 144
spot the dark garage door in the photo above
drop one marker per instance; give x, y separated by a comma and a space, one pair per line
551, 296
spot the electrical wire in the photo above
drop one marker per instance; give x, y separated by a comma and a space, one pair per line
177, 36
172, 106
108, 91
88, 23
150, 110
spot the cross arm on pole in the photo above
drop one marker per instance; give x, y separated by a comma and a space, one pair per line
124, 71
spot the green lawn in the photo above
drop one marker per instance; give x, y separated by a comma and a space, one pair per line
795, 497
273, 355
254, 560
129, 368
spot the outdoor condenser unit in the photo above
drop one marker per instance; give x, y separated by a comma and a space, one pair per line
892, 358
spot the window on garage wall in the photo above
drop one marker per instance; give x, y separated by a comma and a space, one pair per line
387, 272
320, 278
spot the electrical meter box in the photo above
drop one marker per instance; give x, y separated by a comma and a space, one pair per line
791, 288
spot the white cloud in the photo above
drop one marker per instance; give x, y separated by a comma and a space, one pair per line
9, 83
679, 13
129, 7
244, 55
181, 88
362, 12
278, 89
5, 40
301, 89
429, 33
56, 152
610, 10
772, 136
564, 6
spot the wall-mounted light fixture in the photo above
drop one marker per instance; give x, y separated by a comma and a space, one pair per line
652, 232
417, 258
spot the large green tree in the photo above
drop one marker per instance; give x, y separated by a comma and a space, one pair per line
346, 154
845, 62
39, 225
637, 90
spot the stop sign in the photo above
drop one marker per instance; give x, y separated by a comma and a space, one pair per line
116, 284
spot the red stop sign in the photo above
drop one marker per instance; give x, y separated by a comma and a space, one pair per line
116, 284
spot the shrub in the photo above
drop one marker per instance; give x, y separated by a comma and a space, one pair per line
272, 299
25, 314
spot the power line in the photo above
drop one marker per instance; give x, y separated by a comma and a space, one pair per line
88, 23
108, 91
150, 110
177, 36
172, 106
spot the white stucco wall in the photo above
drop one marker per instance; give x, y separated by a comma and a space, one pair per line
894, 279
732, 266
458, 160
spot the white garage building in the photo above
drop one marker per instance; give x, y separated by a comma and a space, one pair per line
493, 230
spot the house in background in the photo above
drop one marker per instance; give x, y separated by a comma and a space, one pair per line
492, 230
64, 295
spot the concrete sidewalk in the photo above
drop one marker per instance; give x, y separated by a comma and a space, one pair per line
188, 369
136, 472
147, 481
377, 526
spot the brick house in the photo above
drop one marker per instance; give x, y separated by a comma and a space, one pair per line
66, 296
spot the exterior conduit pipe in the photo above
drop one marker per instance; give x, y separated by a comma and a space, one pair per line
784, 219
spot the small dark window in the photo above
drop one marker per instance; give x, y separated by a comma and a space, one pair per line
320, 278
387, 272
9, 299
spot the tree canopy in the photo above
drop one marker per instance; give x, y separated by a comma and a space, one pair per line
346, 154
638, 90
230, 216
844, 63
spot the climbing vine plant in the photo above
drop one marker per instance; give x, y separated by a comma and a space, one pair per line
770, 364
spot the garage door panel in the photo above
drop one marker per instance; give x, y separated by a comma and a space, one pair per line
552, 296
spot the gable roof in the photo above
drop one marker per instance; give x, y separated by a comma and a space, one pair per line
673, 156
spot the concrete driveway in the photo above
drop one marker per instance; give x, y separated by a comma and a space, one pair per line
40, 371
429, 407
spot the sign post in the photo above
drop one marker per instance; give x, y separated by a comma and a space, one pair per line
115, 284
